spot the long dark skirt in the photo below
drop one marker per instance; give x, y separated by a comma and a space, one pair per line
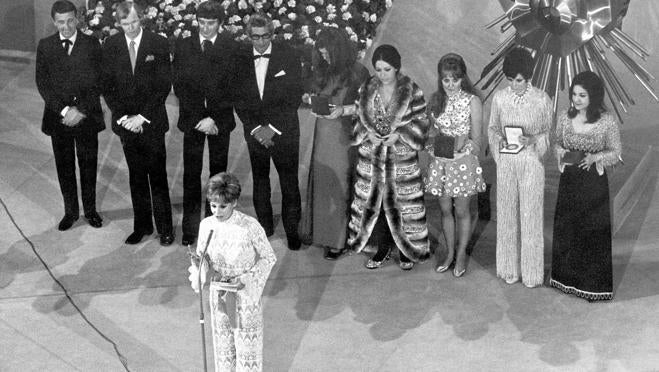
581, 251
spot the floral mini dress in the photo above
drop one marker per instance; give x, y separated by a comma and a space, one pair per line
461, 176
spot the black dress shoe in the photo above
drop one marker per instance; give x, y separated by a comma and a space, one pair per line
135, 237
66, 222
188, 240
294, 243
166, 239
333, 254
94, 220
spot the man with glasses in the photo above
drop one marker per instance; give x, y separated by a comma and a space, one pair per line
136, 82
267, 102
203, 71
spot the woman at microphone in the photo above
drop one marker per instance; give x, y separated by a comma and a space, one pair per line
240, 258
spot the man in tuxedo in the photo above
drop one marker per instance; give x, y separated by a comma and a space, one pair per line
203, 70
267, 102
68, 78
136, 82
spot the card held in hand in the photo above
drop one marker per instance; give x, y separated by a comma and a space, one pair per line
320, 105
573, 157
443, 146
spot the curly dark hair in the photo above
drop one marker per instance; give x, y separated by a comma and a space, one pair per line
342, 56
223, 186
591, 83
450, 64
518, 61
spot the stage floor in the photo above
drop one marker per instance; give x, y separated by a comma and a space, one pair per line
319, 315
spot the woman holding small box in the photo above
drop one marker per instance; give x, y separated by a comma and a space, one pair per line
455, 112
521, 175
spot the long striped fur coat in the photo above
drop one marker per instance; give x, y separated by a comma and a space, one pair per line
388, 178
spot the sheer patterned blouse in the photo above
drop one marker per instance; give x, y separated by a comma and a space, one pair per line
602, 140
239, 247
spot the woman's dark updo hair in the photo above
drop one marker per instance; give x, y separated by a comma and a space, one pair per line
223, 187
450, 64
591, 83
518, 61
387, 53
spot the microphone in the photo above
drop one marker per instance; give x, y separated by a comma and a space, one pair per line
194, 258
208, 241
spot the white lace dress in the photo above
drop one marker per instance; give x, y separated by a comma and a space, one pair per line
238, 248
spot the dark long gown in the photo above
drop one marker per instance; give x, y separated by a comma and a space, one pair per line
328, 191
581, 251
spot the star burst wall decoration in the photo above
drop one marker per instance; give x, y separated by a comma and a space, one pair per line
565, 38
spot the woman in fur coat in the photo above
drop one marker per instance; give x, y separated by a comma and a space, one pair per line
388, 207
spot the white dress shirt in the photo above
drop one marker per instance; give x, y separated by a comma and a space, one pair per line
261, 68
72, 39
201, 39
137, 40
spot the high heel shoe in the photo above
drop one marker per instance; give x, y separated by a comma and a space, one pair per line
443, 268
373, 264
457, 273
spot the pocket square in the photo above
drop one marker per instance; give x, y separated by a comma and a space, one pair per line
149, 58
280, 73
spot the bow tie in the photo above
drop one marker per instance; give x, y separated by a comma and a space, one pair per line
257, 56
66, 43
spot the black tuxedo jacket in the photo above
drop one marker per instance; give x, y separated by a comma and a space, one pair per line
70, 80
143, 92
205, 78
282, 92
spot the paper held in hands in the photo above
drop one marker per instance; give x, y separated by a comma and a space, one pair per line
513, 146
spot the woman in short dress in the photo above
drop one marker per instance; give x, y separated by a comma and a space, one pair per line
581, 251
455, 110
336, 75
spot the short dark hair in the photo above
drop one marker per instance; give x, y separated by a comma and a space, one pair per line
211, 10
518, 61
259, 20
223, 186
61, 7
591, 83
124, 8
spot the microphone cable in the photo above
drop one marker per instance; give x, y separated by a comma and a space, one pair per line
121, 357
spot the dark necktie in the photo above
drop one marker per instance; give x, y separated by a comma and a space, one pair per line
205, 45
257, 56
66, 43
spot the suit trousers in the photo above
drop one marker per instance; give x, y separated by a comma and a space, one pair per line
65, 148
149, 190
193, 160
285, 155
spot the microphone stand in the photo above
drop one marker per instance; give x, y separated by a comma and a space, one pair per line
201, 300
